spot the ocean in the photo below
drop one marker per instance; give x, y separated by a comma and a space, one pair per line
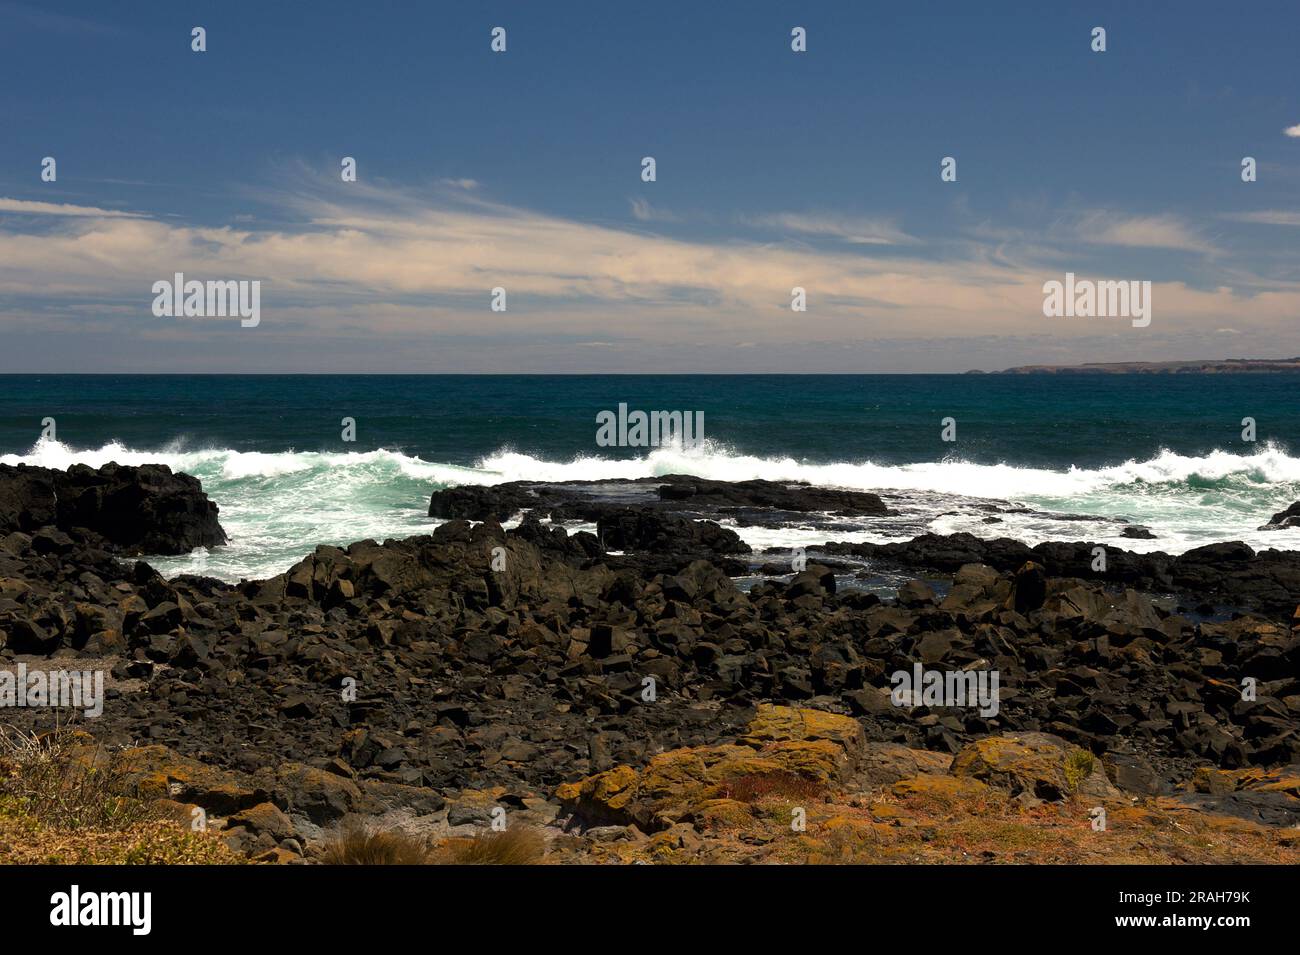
1081, 454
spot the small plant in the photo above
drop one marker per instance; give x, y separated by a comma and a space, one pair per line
518, 845
1078, 767
357, 845
66, 783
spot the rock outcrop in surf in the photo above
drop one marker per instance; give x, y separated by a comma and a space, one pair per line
135, 510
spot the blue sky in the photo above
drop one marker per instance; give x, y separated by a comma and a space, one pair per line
522, 170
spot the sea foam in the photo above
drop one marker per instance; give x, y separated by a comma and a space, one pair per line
277, 506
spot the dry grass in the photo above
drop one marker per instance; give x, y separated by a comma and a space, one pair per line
776, 785
954, 824
65, 800
355, 844
65, 782
23, 841
518, 845
1053, 834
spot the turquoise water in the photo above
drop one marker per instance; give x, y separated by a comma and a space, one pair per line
1164, 451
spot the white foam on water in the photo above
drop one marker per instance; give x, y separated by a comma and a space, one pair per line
276, 506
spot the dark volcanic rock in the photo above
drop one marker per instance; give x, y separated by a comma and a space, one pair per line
145, 509
1030, 588
674, 494
1288, 518
476, 503
797, 497
943, 552
28, 499
1229, 573
1137, 532
1268, 580
474, 658
628, 529
557, 540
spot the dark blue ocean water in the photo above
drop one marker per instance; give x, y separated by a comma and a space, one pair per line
1038, 420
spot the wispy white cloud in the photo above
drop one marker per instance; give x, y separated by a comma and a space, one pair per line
30, 208
370, 263
643, 211
1143, 232
857, 231
1292, 131
1266, 217
384, 250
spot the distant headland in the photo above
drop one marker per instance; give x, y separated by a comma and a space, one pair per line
1213, 366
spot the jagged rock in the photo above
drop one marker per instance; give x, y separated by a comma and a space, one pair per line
474, 658
797, 497
662, 534
1287, 518
475, 503
916, 593
145, 509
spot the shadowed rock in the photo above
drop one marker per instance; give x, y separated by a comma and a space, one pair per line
138, 510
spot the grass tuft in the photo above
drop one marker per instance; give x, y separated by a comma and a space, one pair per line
1078, 767
355, 844
518, 845
65, 782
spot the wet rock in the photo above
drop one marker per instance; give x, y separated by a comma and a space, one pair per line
1287, 518
797, 497
475, 503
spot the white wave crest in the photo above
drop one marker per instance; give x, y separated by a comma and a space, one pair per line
277, 506
1269, 464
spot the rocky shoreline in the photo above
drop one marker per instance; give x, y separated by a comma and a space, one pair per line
617, 686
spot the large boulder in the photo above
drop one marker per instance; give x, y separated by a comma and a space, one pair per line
140, 510
477, 503
639, 530
782, 743
458, 565
28, 499
781, 496
1039, 764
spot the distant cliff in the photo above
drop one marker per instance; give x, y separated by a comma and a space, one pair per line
1212, 366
